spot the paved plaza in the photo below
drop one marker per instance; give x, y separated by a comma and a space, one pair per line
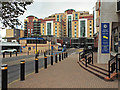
64, 74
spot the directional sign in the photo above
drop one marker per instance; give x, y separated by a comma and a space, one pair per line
105, 42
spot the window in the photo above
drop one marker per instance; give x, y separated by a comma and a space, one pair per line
75, 22
58, 18
90, 21
28, 30
43, 24
43, 30
75, 27
55, 23
76, 16
31, 30
48, 28
56, 31
69, 26
90, 24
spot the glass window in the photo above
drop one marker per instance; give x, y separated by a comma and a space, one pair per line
48, 28
82, 28
58, 18
75, 22
69, 26
76, 16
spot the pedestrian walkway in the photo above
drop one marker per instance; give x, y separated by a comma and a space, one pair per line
64, 74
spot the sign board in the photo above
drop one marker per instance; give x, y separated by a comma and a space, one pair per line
105, 39
33, 47
23, 46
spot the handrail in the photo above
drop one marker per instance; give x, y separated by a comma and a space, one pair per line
115, 63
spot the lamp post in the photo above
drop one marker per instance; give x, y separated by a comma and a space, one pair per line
36, 43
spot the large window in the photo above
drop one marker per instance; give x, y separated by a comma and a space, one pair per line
82, 28
48, 28
69, 26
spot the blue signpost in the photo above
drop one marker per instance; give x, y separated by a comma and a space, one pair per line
105, 39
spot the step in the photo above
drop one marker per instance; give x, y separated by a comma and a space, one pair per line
97, 73
96, 68
100, 76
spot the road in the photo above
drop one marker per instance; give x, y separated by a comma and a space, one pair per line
14, 70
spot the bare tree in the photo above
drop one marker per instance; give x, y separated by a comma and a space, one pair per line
11, 10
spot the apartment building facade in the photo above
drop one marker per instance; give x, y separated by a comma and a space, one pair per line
71, 23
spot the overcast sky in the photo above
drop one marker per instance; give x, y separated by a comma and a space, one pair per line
44, 8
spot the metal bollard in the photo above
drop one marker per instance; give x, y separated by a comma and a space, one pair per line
16, 53
4, 76
56, 58
66, 54
62, 56
10, 54
51, 59
4, 55
36, 65
59, 56
22, 70
45, 62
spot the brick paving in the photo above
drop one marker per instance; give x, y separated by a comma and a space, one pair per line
65, 74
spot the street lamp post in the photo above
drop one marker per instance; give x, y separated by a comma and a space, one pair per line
36, 44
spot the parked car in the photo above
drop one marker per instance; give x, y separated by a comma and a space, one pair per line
60, 48
8, 50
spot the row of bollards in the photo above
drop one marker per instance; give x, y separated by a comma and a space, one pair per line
4, 68
10, 54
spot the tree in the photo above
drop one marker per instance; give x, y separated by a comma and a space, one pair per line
11, 10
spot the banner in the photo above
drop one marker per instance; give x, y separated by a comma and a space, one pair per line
105, 40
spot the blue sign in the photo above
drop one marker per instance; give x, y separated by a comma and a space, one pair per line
33, 47
105, 38
23, 46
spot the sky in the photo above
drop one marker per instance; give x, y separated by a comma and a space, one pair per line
45, 8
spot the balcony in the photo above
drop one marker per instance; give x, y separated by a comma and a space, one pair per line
97, 6
97, 21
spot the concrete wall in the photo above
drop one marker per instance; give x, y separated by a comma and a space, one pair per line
107, 15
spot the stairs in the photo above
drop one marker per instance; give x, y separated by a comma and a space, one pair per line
97, 71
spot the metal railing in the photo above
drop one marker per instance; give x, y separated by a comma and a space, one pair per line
114, 65
88, 57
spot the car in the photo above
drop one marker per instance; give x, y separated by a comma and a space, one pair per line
60, 48
8, 50
89, 47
